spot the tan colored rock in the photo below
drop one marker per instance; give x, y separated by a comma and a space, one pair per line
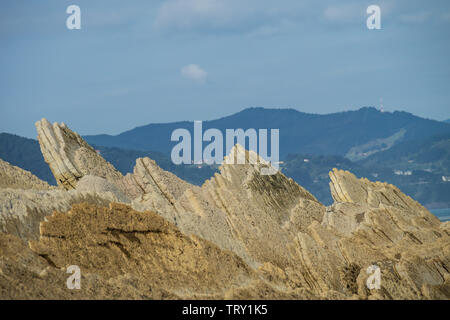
346, 187
240, 209
158, 188
261, 236
17, 178
93, 184
21, 211
117, 240
124, 254
26, 275
70, 157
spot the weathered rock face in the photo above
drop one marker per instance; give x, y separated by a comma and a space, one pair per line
240, 209
242, 234
21, 211
70, 157
93, 184
345, 187
26, 275
118, 240
375, 223
17, 178
161, 188
140, 252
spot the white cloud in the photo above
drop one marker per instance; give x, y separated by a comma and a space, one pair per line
191, 14
194, 72
225, 15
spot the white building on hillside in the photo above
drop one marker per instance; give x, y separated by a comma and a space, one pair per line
403, 173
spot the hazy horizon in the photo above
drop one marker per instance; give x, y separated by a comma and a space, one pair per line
162, 61
215, 118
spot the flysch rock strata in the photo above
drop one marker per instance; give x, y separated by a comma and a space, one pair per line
17, 178
261, 236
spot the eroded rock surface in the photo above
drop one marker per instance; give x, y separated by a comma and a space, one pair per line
241, 235
69, 157
240, 209
17, 178
21, 211
117, 244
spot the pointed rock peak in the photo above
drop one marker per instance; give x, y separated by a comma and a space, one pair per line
70, 157
150, 178
346, 187
246, 170
246, 161
239, 155
16, 178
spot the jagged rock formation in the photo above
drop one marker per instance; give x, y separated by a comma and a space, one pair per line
117, 240
375, 223
21, 211
139, 252
239, 209
345, 187
160, 188
242, 234
17, 178
70, 157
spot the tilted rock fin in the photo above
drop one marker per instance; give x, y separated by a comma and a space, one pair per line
17, 178
70, 157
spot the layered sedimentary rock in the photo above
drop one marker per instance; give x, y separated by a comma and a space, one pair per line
161, 188
26, 275
239, 209
374, 223
345, 187
242, 234
98, 185
70, 157
25, 200
17, 178
21, 211
139, 251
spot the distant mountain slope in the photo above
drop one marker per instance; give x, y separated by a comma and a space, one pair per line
26, 154
310, 171
429, 154
448, 121
364, 131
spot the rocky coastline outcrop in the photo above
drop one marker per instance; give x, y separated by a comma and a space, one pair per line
241, 235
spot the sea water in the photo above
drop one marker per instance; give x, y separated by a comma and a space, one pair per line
442, 214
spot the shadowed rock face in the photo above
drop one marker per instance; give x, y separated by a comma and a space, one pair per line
241, 234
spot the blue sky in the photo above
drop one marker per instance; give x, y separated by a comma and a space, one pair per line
139, 62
